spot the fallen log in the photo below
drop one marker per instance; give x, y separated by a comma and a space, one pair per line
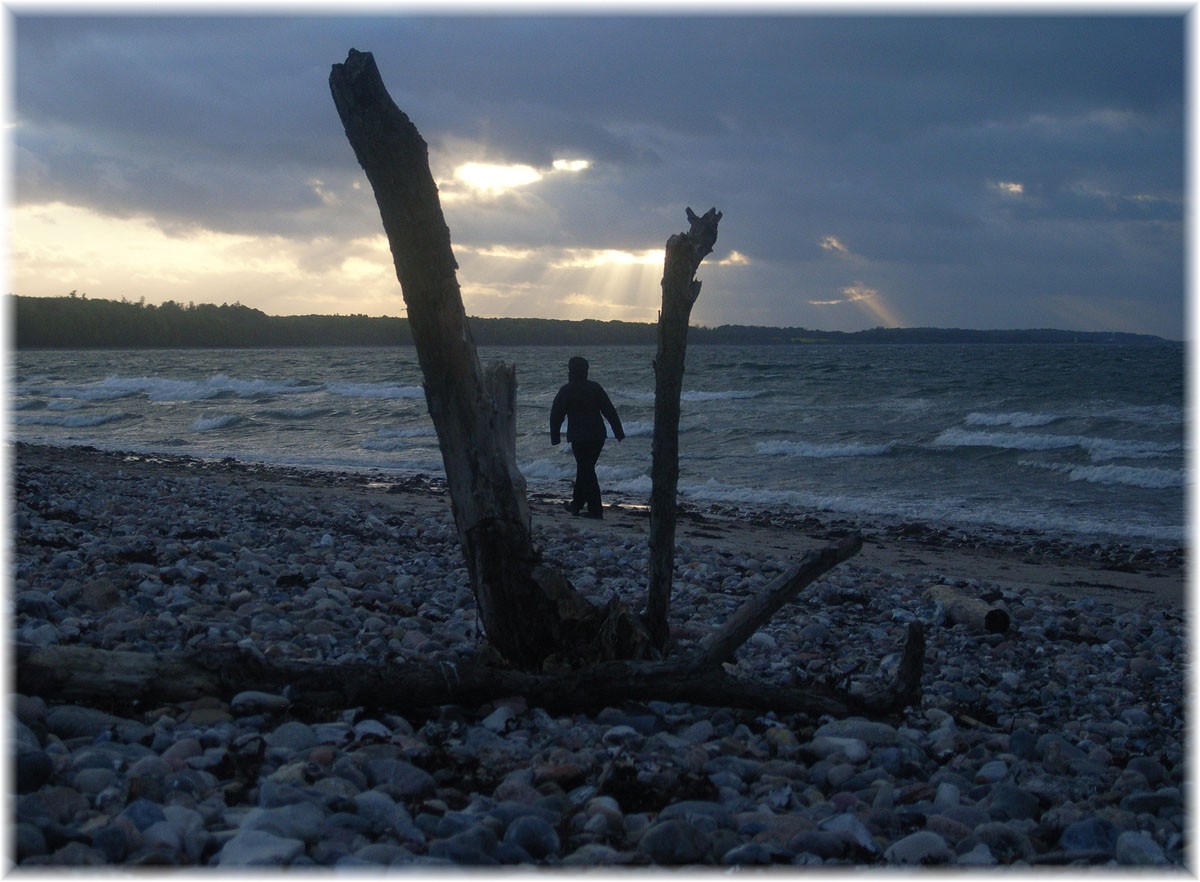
965, 609
85, 675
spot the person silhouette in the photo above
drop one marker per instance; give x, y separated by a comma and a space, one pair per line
585, 405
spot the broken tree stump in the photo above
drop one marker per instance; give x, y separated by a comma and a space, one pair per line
680, 288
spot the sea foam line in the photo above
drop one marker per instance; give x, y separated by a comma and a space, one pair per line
1018, 419
1117, 475
70, 421
375, 390
822, 451
1100, 449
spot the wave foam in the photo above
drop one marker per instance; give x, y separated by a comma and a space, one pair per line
822, 451
1018, 419
71, 421
375, 391
1100, 449
1117, 475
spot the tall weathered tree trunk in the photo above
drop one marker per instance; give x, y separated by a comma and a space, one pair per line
680, 288
528, 610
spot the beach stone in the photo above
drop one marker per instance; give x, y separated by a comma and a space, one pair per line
73, 854
853, 750
383, 854
497, 721
782, 742
622, 734
852, 831
92, 781
923, 848
74, 721
978, 856
534, 835
712, 815
675, 842
255, 702
143, 813
100, 595
1089, 834
592, 854
472, 847
1023, 744
698, 732
872, 733
401, 779
33, 770
304, 821
992, 772
821, 843
1006, 843
1151, 768
28, 841
258, 848
293, 736
1137, 848
1008, 802
747, 854
1152, 803
948, 828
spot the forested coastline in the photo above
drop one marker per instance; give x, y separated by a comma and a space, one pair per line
79, 322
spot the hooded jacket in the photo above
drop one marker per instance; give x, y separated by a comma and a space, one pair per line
585, 405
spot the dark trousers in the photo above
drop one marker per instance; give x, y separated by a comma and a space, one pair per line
587, 485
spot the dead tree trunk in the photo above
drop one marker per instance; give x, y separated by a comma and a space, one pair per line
680, 288
529, 611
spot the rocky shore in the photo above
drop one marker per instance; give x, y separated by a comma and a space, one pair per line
1059, 742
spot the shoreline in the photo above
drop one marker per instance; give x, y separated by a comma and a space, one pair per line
1127, 575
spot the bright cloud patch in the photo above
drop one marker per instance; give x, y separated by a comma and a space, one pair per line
570, 165
832, 243
1012, 188
589, 258
496, 179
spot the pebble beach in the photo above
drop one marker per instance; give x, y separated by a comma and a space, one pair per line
1058, 742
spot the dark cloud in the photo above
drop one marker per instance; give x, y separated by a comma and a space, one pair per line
893, 133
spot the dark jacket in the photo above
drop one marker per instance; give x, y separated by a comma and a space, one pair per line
585, 405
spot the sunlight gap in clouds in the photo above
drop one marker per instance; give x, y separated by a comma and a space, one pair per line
869, 300
491, 179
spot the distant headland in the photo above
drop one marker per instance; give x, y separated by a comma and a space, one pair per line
75, 322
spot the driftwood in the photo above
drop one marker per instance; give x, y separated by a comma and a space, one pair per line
529, 610
965, 609
83, 674
680, 288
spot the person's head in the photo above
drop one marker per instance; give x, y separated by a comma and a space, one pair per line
577, 368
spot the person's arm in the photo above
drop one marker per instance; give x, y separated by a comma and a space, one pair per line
610, 414
558, 412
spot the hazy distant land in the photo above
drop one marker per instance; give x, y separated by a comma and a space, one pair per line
74, 322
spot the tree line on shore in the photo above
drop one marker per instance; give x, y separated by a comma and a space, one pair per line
79, 322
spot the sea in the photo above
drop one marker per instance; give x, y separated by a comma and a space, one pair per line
1083, 442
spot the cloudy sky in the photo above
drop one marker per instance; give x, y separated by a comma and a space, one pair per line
910, 169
